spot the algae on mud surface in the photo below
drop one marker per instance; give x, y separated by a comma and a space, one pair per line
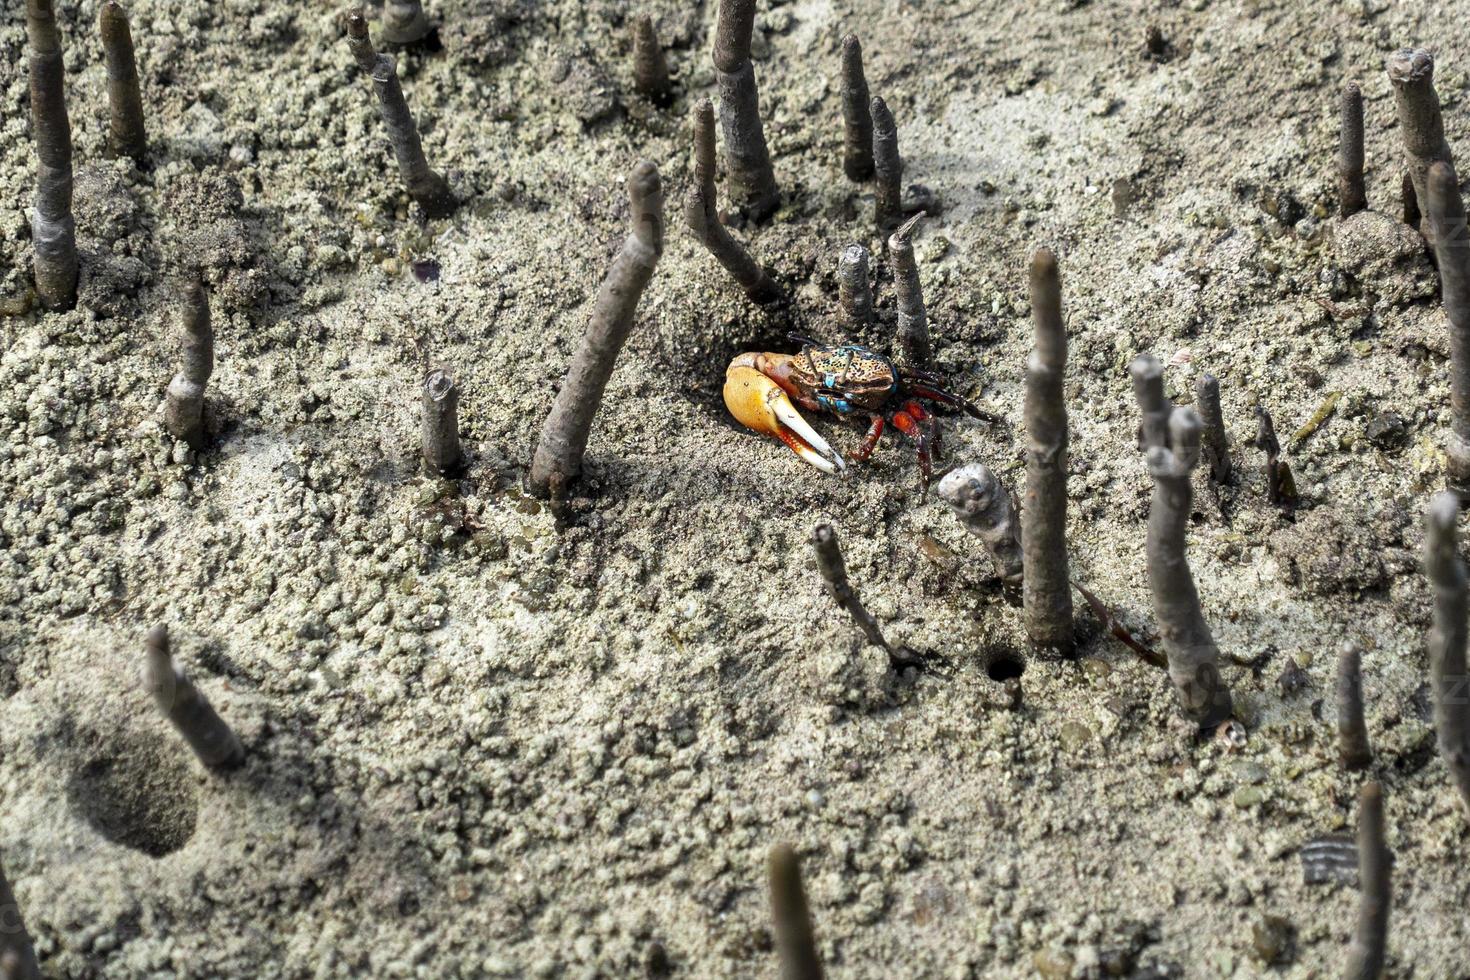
485, 741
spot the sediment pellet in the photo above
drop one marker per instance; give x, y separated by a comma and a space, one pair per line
558, 458
126, 135
1369, 948
1216, 444
834, 573
184, 403
212, 740
1421, 126
1188, 644
1047, 586
404, 22
425, 186
981, 504
1353, 749
796, 942
440, 423
650, 68
17, 954
887, 168
702, 215
1446, 573
913, 319
1351, 193
854, 291
1446, 213
751, 179
53, 230
857, 116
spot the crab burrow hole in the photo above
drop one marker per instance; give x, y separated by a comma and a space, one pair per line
1004, 665
137, 795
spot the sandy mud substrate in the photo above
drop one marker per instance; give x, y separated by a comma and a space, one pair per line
487, 740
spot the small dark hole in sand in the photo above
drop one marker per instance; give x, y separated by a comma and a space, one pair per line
142, 797
1005, 667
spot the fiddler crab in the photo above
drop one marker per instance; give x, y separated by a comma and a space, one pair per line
846, 380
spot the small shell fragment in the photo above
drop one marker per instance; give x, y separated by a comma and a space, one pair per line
1332, 858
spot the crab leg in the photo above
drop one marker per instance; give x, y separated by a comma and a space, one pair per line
870, 441
918, 432
758, 403
925, 418
955, 401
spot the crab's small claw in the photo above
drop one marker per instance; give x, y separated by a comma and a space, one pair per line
760, 404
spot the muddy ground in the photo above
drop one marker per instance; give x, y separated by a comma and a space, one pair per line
485, 740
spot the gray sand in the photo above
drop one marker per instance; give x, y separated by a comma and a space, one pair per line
482, 743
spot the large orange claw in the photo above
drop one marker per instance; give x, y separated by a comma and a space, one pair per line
760, 404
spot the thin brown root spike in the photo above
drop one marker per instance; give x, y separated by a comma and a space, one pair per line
796, 942
559, 451
834, 573
1353, 750
126, 135
702, 216
1369, 947
1046, 591
857, 118
650, 67
1351, 194
212, 740
913, 319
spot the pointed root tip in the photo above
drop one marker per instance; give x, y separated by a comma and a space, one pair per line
905, 231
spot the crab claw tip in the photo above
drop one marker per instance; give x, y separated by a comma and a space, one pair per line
758, 403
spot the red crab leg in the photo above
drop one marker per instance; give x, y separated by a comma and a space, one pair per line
922, 415
910, 427
870, 441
